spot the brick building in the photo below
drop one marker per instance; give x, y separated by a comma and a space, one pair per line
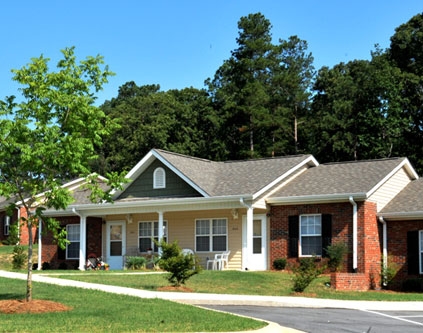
259, 210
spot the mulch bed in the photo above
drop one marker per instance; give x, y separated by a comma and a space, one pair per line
34, 306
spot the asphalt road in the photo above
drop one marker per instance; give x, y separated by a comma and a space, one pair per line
323, 320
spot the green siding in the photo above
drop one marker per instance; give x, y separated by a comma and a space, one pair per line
142, 187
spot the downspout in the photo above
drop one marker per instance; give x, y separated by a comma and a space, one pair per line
249, 234
19, 223
384, 249
82, 239
354, 204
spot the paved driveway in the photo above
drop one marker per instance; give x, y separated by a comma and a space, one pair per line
322, 320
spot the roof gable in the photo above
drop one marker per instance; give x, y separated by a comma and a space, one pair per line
407, 204
214, 179
340, 180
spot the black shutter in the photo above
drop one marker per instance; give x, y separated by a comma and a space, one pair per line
294, 234
413, 252
326, 233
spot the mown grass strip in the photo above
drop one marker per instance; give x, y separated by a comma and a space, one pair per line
95, 311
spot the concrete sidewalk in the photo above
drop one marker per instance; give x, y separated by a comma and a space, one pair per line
227, 299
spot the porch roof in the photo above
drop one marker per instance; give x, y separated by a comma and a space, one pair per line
407, 205
149, 205
339, 181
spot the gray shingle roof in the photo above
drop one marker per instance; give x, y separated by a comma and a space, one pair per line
339, 178
410, 199
232, 177
82, 194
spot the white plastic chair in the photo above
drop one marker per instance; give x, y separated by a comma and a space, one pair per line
187, 251
222, 260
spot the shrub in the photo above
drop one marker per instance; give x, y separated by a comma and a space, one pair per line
63, 265
13, 237
305, 273
135, 262
336, 253
279, 264
19, 257
45, 266
388, 273
180, 266
413, 285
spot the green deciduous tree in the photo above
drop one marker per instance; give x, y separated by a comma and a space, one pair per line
182, 121
49, 136
355, 113
406, 53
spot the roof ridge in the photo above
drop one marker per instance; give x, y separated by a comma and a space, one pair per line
266, 158
366, 160
183, 155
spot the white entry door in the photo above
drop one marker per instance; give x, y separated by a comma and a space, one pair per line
116, 242
256, 253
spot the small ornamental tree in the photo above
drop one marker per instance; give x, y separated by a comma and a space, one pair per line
180, 266
48, 136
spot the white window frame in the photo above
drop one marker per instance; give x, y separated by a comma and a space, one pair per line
6, 229
159, 178
74, 239
211, 234
153, 234
421, 251
309, 235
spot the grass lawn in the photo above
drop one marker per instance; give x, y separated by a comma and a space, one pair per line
269, 283
97, 311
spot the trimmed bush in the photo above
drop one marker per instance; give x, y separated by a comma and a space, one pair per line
305, 273
279, 264
413, 285
336, 253
135, 262
45, 266
180, 266
19, 257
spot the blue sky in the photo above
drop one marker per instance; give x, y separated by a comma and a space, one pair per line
180, 44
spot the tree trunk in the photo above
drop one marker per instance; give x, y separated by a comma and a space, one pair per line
251, 138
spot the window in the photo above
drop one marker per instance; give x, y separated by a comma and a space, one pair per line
72, 235
211, 235
159, 178
6, 225
147, 232
311, 235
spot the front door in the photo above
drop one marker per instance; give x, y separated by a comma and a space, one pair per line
256, 253
115, 244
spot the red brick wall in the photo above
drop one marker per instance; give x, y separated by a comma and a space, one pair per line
350, 281
341, 226
369, 243
369, 238
397, 248
50, 249
23, 232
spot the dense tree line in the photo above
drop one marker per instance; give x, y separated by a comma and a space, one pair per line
268, 100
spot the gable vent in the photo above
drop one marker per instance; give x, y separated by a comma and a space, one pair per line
159, 180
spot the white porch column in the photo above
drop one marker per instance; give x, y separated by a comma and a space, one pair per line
160, 231
82, 240
40, 244
248, 245
249, 235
